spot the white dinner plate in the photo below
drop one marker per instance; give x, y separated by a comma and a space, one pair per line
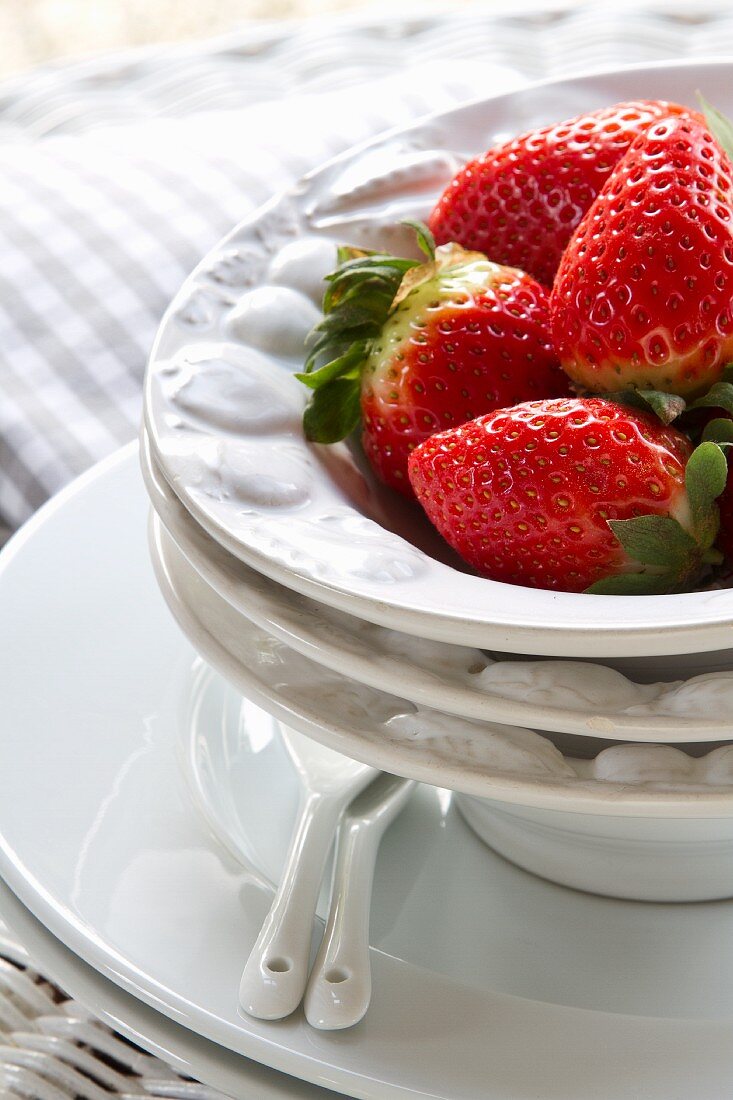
590, 699
644, 822
236, 1077
487, 981
484, 759
224, 411
641, 858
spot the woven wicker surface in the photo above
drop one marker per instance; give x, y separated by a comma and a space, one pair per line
51, 1048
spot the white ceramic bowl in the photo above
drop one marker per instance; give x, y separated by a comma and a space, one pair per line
644, 859
223, 409
587, 699
647, 822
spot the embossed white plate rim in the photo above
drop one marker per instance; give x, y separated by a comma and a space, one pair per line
575, 791
257, 598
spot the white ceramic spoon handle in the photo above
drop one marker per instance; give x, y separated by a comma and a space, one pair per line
340, 985
276, 972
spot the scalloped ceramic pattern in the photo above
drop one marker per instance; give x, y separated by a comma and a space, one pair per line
485, 758
310, 519
562, 696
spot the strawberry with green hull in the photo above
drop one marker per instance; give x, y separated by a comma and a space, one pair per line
413, 349
574, 494
644, 293
522, 200
709, 419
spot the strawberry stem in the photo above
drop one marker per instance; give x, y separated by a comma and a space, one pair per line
360, 295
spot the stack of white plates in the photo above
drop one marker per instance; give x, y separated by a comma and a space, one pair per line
331, 601
146, 798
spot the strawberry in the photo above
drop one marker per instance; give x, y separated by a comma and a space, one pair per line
572, 493
414, 348
521, 201
644, 294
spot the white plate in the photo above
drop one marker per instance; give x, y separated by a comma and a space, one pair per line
644, 822
558, 696
640, 858
488, 981
484, 759
236, 1077
224, 412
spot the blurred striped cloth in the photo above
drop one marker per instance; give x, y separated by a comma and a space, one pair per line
117, 175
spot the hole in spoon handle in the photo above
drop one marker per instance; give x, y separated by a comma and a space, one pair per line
336, 975
279, 965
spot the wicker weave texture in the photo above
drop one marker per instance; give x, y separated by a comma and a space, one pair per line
51, 1048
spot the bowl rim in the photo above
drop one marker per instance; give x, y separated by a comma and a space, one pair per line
520, 619
343, 647
578, 790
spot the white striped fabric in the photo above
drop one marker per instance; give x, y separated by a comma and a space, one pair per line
98, 230
117, 175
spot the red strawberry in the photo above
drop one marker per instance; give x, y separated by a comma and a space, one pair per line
571, 493
644, 293
460, 337
520, 202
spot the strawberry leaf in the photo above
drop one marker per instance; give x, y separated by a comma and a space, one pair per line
359, 296
720, 126
719, 396
718, 431
655, 540
634, 584
334, 411
425, 239
705, 476
665, 406
676, 557
345, 363
348, 253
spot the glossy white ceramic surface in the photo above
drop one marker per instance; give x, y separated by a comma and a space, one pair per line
223, 409
213, 1066
340, 983
647, 859
100, 838
392, 733
640, 850
276, 973
561, 696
